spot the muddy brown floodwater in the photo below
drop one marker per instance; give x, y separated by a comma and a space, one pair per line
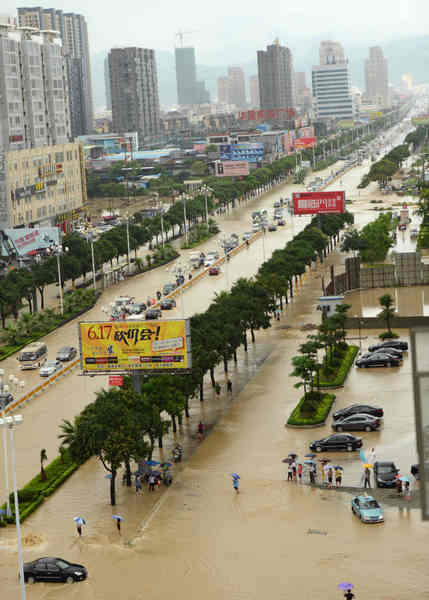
198, 538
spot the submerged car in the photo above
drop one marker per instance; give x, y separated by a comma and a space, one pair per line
272, 227
399, 344
168, 304
378, 359
53, 569
353, 409
385, 474
358, 422
49, 368
367, 509
153, 314
66, 353
214, 271
392, 351
344, 441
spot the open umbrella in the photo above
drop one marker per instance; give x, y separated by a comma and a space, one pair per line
165, 465
287, 460
151, 463
79, 520
108, 476
345, 585
117, 517
339, 467
309, 462
235, 475
292, 455
311, 455
403, 478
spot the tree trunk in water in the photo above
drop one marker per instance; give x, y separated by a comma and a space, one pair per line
212, 377
252, 333
281, 302
128, 472
180, 418
201, 392
113, 488
291, 287
187, 408
173, 422
160, 441
225, 364
245, 342
235, 357
42, 298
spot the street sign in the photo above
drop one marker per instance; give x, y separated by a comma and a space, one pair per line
117, 380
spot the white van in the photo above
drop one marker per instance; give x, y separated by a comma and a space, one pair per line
33, 356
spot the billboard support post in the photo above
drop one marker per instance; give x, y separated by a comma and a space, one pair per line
136, 377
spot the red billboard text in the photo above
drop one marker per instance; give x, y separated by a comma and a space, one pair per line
313, 203
304, 142
262, 115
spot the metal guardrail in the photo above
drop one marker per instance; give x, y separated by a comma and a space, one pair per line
41, 387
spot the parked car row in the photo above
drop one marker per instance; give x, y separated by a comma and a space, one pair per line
386, 354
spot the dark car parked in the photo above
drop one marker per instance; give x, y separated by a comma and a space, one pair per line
66, 353
53, 569
5, 399
378, 359
359, 422
399, 344
392, 351
364, 409
168, 288
385, 474
168, 304
153, 314
338, 441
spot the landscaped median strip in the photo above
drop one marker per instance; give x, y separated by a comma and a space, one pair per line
39, 388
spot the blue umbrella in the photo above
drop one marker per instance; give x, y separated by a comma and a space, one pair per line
79, 520
403, 478
108, 476
151, 463
309, 462
117, 517
311, 455
345, 586
166, 464
235, 475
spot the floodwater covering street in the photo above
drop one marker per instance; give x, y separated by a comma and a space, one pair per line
198, 538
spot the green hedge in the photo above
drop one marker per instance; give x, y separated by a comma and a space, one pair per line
35, 491
339, 376
318, 417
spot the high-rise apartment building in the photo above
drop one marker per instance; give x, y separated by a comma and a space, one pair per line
300, 83
74, 35
134, 88
189, 90
254, 91
107, 84
223, 90
330, 83
276, 77
236, 87
376, 79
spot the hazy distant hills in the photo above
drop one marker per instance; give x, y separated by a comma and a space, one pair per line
407, 55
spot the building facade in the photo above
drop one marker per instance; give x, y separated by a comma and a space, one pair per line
330, 84
34, 101
74, 35
44, 186
236, 87
223, 90
189, 90
276, 77
254, 91
134, 89
376, 77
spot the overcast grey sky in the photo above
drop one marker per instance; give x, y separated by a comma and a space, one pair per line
239, 27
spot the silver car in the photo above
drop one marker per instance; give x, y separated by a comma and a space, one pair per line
50, 367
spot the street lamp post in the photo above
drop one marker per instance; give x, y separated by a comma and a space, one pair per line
5, 457
91, 241
128, 241
263, 243
184, 198
359, 328
10, 423
58, 250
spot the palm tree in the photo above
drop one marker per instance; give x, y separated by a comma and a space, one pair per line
43, 459
388, 312
68, 434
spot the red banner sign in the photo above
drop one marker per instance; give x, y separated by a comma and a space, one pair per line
313, 203
117, 380
304, 142
262, 115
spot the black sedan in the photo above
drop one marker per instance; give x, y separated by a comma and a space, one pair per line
354, 409
399, 344
358, 422
136, 308
385, 474
66, 353
153, 314
338, 441
378, 359
392, 351
168, 304
53, 569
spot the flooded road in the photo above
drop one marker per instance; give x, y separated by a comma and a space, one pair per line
274, 539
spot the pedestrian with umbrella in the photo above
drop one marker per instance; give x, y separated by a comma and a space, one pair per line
347, 587
79, 522
118, 520
338, 475
138, 483
235, 481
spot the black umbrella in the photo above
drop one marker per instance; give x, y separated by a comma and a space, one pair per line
292, 455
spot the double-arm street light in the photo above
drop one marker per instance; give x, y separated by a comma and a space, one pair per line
206, 191
10, 423
57, 251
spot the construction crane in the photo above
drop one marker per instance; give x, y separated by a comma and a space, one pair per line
180, 35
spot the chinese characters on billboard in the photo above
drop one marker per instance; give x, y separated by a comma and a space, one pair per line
249, 151
262, 115
118, 346
22, 241
313, 203
234, 168
304, 142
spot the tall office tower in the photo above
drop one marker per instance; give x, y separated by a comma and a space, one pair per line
107, 84
74, 34
300, 83
254, 91
34, 104
276, 77
330, 82
134, 88
376, 80
237, 87
223, 90
189, 90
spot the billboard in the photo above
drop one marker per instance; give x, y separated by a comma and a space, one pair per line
313, 203
304, 142
421, 120
120, 346
263, 115
247, 151
25, 240
232, 169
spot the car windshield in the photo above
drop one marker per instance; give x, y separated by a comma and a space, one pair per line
50, 363
369, 504
27, 356
62, 564
385, 468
